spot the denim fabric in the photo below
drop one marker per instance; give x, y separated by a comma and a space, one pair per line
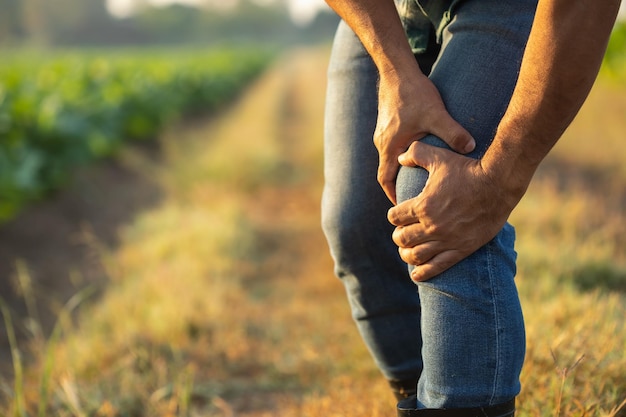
462, 332
384, 301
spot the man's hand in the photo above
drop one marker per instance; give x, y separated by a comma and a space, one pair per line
461, 208
409, 108
464, 204
409, 105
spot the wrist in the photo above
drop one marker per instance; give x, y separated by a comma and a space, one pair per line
399, 82
506, 163
399, 67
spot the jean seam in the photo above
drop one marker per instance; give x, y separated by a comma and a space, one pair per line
496, 318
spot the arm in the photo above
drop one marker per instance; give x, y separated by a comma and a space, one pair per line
451, 219
378, 26
561, 62
410, 106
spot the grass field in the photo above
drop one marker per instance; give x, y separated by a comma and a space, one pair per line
220, 300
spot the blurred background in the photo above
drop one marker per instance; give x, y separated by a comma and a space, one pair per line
143, 22
132, 22
160, 243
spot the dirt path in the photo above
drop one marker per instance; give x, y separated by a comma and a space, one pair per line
62, 242
58, 243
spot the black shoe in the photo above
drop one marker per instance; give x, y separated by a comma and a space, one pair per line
406, 408
403, 388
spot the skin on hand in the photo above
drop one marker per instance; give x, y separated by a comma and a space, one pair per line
465, 202
461, 208
409, 105
410, 108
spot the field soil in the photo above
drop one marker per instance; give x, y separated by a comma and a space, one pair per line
57, 244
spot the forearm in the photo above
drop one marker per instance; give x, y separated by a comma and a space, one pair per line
409, 104
378, 26
561, 61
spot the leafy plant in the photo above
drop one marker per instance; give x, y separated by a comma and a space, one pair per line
63, 111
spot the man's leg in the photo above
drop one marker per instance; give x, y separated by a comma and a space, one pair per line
472, 325
384, 301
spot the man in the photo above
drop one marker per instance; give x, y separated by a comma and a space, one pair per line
494, 83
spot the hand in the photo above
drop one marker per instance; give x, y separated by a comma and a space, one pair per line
461, 208
409, 108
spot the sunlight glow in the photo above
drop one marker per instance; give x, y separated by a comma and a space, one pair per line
301, 11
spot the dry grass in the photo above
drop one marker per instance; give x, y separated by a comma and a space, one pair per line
222, 301
571, 229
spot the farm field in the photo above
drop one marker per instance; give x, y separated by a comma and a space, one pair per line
62, 110
214, 293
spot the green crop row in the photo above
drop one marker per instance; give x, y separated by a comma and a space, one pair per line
61, 111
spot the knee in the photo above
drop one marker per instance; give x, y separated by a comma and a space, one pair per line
341, 225
353, 231
410, 182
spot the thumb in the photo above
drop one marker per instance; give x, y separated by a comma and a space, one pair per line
452, 133
422, 155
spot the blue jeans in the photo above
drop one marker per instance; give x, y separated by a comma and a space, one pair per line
461, 333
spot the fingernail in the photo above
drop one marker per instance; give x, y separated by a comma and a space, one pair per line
414, 277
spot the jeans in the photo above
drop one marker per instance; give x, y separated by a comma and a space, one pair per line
461, 333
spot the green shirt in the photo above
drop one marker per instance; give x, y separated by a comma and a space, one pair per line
424, 19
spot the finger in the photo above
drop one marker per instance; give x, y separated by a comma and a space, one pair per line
406, 213
419, 255
452, 133
435, 266
410, 236
423, 155
387, 173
